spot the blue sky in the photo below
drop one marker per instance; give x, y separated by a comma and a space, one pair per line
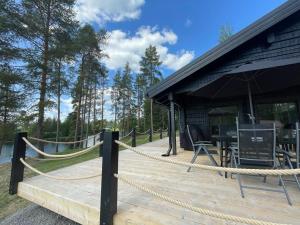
180, 29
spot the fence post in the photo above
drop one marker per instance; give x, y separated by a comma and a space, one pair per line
109, 185
17, 168
150, 135
133, 137
160, 133
101, 139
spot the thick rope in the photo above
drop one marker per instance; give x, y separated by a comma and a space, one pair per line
272, 172
146, 132
55, 177
193, 208
62, 142
62, 156
126, 135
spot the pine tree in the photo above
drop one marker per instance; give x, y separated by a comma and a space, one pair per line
127, 99
61, 52
11, 81
88, 48
149, 66
41, 21
116, 97
226, 31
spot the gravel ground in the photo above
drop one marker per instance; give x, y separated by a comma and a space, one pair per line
36, 215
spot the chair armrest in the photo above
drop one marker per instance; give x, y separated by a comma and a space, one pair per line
281, 151
202, 142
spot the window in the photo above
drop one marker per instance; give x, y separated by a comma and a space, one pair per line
221, 116
283, 114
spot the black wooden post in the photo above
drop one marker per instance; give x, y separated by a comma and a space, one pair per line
150, 135
101, 138
109, 185
17, 168
133, 137
173, 128
160, 133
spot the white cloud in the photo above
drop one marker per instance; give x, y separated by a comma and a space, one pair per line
123, 47
102, 11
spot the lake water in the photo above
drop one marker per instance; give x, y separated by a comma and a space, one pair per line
7, 150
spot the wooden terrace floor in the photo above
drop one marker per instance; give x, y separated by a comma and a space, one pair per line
80, 200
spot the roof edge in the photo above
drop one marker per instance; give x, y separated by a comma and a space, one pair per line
267, 21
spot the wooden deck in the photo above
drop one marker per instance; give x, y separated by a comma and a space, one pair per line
80, 200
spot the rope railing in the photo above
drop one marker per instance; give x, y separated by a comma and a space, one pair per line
63, 142
193, 208
143, 133
64, 155
57, 177
127, 135
272, 172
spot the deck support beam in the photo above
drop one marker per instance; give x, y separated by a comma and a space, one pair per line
172, 123
17, 168
109, 184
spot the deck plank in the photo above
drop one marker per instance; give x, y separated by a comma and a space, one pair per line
80, 200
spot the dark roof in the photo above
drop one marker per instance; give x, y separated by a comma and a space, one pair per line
256, 28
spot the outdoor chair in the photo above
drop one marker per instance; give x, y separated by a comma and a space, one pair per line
256, 148
290, 158
199, 145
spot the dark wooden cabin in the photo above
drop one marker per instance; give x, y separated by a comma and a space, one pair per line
206, 90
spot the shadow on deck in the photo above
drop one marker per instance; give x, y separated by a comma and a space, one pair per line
80, 200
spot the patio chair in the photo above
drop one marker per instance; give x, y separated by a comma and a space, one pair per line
289, 158
199, 146
256, 148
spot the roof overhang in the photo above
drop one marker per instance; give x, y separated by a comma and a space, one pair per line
263, 77
279, 14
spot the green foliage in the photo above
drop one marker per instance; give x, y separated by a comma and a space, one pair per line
226, 31
150, 66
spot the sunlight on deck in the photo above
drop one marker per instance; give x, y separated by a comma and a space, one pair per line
80, 200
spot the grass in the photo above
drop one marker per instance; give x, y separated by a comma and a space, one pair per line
9, 204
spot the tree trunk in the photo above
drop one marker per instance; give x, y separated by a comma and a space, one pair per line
123, 119
58, 103
89, 116
43, 83
81, 81
94, 112
83, 116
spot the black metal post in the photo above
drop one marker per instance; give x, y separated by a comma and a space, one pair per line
109, 185
17, 168
173, 128
133, 137
161, 133
150, 135
101, 138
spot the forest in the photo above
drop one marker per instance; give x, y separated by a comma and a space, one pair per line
46, 55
